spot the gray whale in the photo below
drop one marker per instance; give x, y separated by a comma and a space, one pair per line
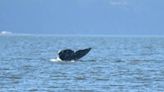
68, 54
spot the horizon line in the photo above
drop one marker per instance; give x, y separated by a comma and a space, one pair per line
104, 35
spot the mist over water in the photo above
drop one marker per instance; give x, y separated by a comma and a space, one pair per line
115, 64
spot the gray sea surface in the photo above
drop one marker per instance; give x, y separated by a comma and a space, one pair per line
115, 64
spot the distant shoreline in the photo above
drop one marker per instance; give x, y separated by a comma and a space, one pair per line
80, 35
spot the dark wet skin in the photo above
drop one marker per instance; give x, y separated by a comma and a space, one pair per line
69, 54
66, 54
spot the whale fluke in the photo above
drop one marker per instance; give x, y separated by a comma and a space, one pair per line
69, 54
80, 53
66, 54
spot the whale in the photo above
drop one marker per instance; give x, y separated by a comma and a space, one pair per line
68, 54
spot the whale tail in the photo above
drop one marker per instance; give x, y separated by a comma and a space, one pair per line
68, 54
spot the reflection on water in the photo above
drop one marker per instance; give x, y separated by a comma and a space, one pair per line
115, 64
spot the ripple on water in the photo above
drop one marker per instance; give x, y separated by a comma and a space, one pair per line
119, 65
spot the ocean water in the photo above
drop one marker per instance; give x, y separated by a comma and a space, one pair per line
115, 64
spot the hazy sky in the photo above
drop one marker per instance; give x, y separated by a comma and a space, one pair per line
119, 17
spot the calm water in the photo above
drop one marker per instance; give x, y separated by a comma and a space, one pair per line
115, 64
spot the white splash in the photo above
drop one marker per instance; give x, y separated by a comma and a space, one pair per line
56, 60
59, 60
